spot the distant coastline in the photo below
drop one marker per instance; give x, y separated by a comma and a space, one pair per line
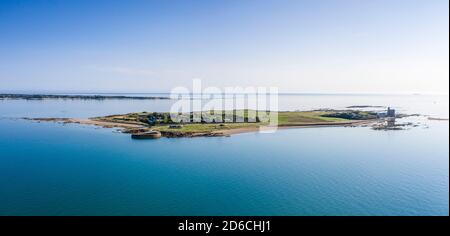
75, 97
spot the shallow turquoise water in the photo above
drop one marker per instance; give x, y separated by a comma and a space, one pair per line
55, 169
48, 169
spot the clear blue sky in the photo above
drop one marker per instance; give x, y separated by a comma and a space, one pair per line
382, 46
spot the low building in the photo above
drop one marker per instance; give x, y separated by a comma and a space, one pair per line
390, 112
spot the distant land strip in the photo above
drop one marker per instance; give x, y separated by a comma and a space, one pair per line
78, 97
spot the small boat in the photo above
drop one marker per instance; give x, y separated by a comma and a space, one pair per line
147, 135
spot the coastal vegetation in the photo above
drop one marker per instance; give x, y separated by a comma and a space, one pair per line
75, 97
352, 115
228, 122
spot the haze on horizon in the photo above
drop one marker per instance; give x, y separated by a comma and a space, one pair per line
328, 46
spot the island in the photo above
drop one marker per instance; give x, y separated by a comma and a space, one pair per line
160, 124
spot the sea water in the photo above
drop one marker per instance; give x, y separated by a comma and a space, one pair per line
69, 169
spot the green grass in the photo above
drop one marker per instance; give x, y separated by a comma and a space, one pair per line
301, 117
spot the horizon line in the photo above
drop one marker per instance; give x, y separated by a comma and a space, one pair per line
47, 92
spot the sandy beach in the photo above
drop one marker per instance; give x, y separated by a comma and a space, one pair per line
88, 121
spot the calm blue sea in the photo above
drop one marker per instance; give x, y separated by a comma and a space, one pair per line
56, 169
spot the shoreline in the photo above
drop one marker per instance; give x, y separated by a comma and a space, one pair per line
299, 126
88, 121
141, 124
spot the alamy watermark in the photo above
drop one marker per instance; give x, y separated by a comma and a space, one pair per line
230, 105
